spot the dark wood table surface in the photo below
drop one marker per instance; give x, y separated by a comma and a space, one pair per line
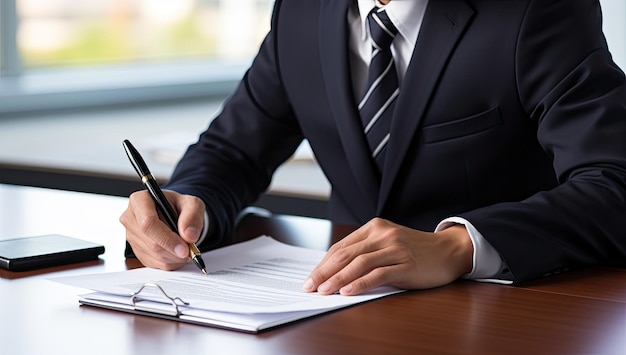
581, 312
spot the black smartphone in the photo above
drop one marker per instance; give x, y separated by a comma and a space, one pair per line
30, 253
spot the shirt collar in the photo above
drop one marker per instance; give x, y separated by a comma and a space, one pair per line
406, 15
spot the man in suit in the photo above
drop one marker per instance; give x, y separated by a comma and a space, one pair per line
504, 156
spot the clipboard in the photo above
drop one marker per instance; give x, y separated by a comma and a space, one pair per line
174, 308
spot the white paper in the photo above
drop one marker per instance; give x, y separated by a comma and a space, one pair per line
260, 276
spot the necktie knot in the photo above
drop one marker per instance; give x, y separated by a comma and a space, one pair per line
382, 30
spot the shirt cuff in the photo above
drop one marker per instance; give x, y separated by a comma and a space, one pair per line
487, 264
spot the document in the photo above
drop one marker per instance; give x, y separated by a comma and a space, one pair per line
250, 286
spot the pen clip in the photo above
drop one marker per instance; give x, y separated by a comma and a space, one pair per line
136, 160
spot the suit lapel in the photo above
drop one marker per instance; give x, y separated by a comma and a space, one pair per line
444, 23
334, 52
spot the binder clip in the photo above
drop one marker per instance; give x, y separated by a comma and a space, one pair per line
173, 301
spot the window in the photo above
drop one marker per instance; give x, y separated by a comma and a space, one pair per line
54, 33
58, 52
66, 53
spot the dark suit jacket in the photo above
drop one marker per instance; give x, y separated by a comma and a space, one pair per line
512, 115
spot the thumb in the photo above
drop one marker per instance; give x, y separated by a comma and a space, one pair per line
191, 218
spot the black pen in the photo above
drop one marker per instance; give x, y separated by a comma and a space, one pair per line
159, 198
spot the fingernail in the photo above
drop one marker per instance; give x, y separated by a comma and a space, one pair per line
192, 232
346, 290
324, 288
181, 250
307, 285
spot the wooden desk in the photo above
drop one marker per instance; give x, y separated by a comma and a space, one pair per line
577, 313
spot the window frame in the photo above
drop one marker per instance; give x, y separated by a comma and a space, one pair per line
9, 56
57, 89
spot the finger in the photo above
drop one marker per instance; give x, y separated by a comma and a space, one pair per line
154, 256
156, 237
150, 253
386, 275
148, 230
191, 217
337, 257
342, 253
346, 263
372, 263
141, 204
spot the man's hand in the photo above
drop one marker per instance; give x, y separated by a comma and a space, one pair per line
383, 253
153, 242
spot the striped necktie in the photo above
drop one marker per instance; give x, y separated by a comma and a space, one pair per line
376, 106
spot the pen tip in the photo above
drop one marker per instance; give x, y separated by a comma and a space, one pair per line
204, 272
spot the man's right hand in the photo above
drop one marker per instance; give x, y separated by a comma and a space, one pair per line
153, 242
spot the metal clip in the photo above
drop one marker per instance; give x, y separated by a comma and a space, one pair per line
135, 300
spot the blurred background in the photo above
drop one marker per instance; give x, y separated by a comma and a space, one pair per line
79, 76
57, 54
54, 33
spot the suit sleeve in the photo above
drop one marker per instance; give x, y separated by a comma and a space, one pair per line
570, 86
232, 163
